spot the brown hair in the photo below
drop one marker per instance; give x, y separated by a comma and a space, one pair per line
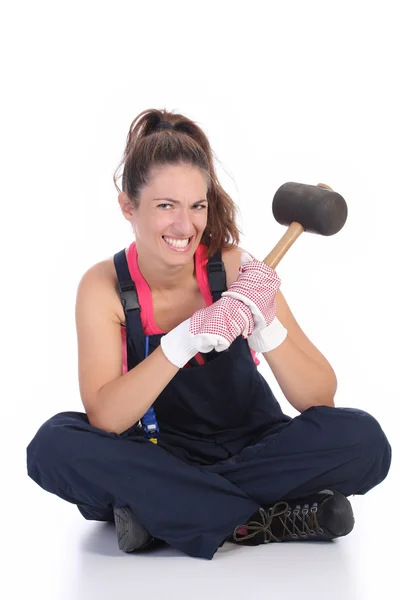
186, 143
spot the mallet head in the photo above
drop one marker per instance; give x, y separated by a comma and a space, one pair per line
318, 209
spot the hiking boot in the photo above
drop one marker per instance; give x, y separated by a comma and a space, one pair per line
318, 517
131, 534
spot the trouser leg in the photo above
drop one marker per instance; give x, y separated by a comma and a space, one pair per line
189, 509
323, 448
94, 513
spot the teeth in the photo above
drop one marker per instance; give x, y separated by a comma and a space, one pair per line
176, 243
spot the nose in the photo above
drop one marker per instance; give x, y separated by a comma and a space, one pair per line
184, 223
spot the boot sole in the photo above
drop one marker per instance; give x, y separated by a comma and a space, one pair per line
131, 534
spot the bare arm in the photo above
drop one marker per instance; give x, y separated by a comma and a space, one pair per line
122, 402
304, 375
113, 402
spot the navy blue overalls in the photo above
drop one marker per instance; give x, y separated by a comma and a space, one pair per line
224, 448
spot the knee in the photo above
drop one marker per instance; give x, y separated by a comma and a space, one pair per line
362, 427
352, 426
373, 447
358, 429
378, 451
43, 451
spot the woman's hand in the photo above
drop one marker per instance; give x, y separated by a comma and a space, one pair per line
212, 328
257, 286
218, 325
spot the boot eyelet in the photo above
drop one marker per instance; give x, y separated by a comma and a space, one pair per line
312, 532
320, 530
294, 536
303, 535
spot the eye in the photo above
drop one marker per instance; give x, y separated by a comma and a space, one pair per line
168, 204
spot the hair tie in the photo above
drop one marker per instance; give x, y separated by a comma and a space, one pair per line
164, 125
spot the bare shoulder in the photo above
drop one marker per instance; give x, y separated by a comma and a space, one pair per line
100, 282
231, 259
98, 329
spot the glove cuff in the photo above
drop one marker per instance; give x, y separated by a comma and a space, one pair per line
268, 338
178, 345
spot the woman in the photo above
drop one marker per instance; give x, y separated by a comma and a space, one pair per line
182, 439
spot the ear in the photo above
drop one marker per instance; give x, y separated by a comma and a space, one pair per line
126, 206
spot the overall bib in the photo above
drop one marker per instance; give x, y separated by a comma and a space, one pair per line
224, 446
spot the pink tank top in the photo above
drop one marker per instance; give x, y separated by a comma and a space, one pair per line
146, 301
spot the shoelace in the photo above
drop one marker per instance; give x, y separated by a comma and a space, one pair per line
308, 522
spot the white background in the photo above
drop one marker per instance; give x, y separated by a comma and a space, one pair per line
286, 91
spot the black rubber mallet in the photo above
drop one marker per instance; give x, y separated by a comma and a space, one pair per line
301, 207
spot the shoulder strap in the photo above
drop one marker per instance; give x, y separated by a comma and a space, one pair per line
216, 275
130, 303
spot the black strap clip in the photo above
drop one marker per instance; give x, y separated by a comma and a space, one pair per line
216, 276
129, 297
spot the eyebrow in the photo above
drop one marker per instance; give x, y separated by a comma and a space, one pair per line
176, 201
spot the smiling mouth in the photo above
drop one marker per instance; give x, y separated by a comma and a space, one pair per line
177, 243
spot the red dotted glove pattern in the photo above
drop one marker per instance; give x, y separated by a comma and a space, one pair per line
227, 318
256, 285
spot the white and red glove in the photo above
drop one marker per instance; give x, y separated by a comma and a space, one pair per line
212, 328
256, 286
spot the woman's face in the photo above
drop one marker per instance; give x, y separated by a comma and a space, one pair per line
172, 209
